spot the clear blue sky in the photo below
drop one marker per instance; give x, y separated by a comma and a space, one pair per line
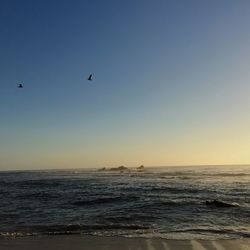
171, 83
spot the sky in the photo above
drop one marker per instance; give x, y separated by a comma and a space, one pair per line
171, 83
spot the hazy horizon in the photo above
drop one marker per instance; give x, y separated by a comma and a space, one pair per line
170, 83
72, 168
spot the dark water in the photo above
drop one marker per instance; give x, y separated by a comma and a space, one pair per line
160, 202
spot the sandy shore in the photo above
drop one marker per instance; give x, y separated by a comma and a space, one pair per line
117, 243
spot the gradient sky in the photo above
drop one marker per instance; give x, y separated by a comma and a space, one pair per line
171, 83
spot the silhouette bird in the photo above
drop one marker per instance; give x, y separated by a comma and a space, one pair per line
20, 85
90, 77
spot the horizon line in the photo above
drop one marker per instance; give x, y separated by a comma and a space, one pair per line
161, 166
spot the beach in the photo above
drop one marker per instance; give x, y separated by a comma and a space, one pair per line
114, 243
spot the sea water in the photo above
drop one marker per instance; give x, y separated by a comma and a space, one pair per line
166, 202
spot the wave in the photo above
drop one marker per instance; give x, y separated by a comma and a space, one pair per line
41, 183
39, 195
228, 232
105, 200
130, 218
72, 229
128, 230
187, 174
230, 174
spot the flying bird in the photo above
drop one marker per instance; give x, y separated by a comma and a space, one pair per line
20, 85
90, 77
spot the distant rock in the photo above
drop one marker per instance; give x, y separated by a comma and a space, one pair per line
102, 169
120, 168
141, 168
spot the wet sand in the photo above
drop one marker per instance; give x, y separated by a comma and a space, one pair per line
117, 243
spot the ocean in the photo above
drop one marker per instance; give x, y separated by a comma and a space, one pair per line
166, 202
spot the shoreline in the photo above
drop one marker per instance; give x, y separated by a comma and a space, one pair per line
77, 242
